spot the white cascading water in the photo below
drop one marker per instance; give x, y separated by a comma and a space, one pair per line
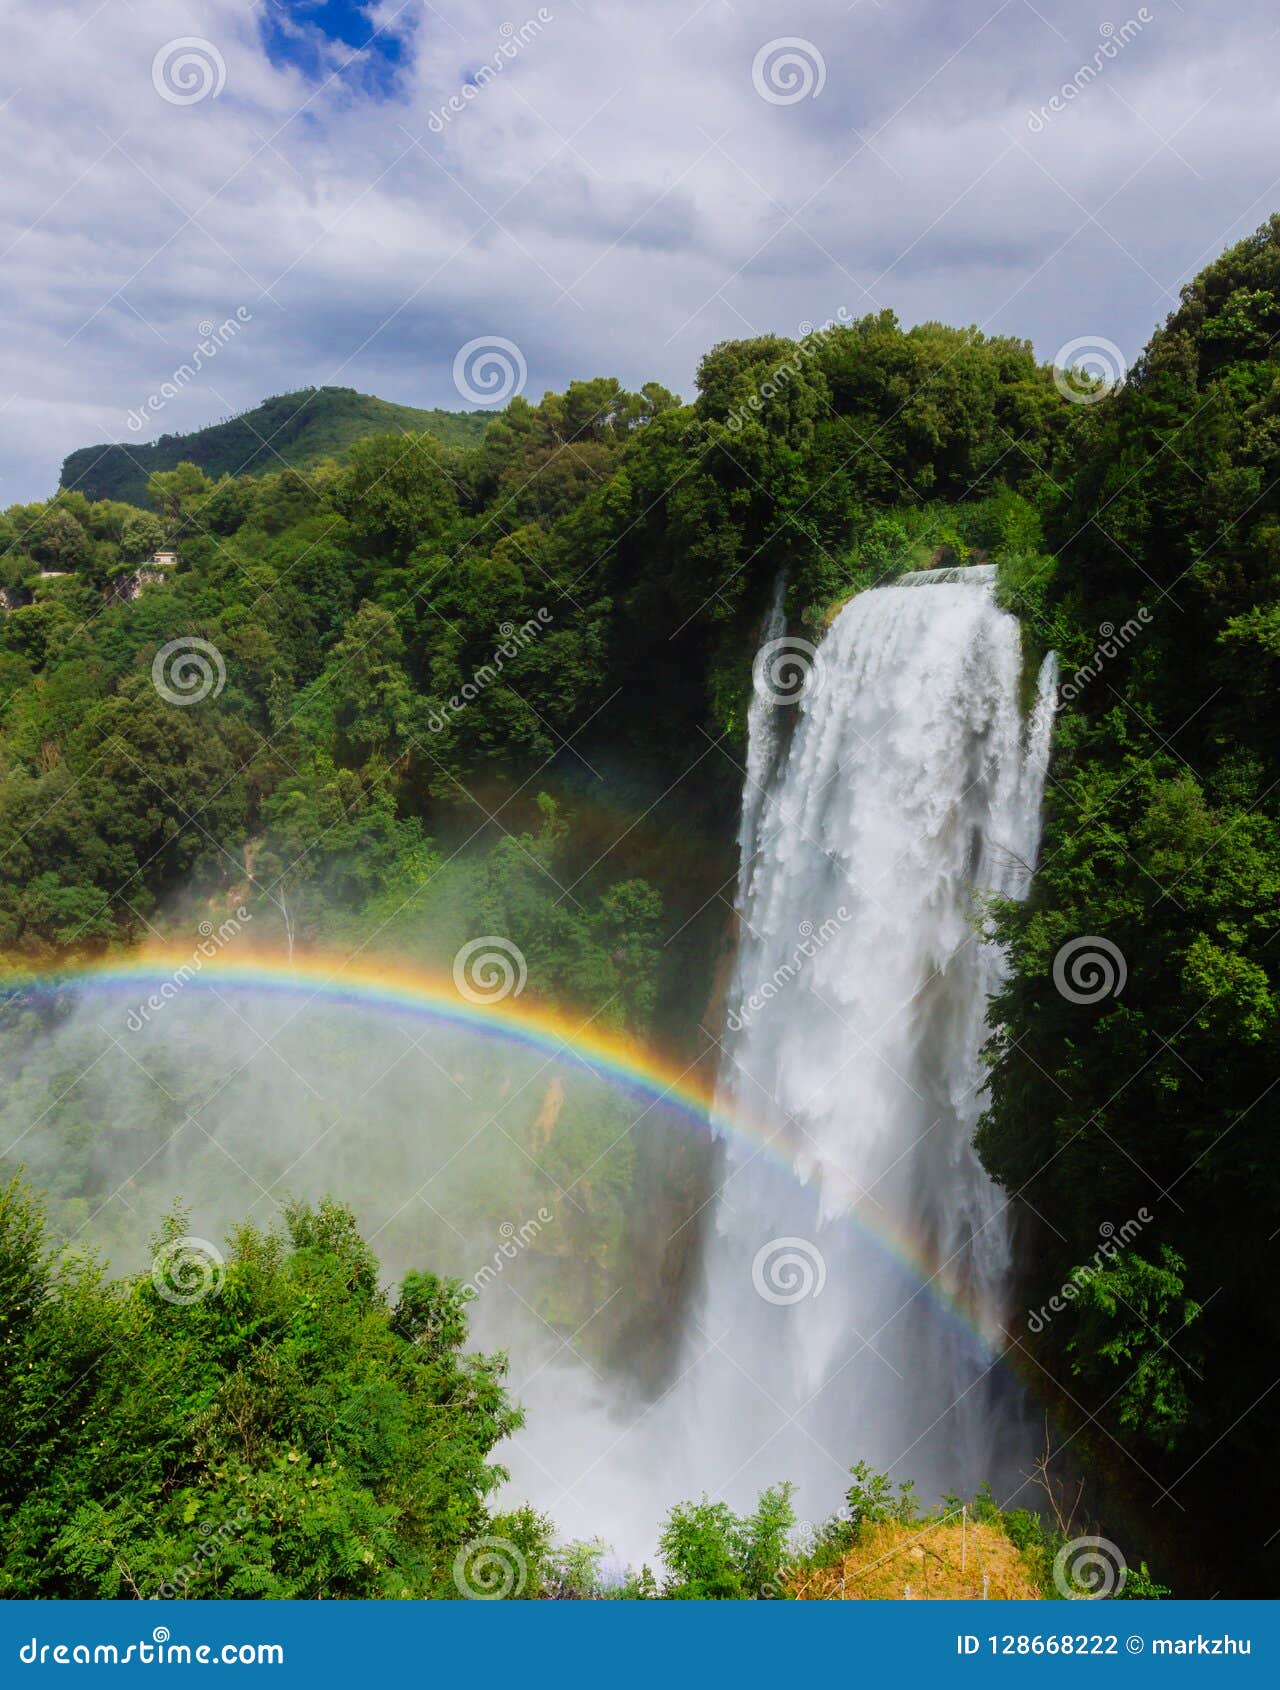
858, 1261
850, 1313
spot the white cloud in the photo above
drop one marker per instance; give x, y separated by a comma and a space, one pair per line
615, 200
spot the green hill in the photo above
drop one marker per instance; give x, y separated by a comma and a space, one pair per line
298, 429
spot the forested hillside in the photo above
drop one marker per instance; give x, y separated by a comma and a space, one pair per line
293, 431
621, 545
491, 671
1147, 1084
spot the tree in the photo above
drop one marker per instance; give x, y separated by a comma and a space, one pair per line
1162, 836
399, 491
714, 1554
266, 1423
140, 535
60, 542
1132, 1341
178, 493
370, 692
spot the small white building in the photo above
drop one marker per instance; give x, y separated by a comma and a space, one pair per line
164, 559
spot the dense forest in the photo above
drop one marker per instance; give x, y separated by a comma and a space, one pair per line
290, 431
437, 670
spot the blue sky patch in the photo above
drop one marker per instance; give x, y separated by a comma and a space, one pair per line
305, 33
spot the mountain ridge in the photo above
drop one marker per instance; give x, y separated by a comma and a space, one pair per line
295, 430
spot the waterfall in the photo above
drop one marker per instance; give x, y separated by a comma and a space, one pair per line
857, 1264
764, 734
856, 1279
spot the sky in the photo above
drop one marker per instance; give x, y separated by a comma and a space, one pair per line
598, 187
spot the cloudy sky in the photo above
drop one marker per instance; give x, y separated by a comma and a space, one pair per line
632, 183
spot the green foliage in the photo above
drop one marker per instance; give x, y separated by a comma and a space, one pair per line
270, 1423
179, 492
1162, 835
575, 1570
297, 429
398, 492
713, 1554
873, 1498
1139, 1586
1132, 1341
439, 661
288, 1432
420, 623
140, 535
1039, 1536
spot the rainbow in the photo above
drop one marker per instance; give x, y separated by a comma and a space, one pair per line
383, 987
